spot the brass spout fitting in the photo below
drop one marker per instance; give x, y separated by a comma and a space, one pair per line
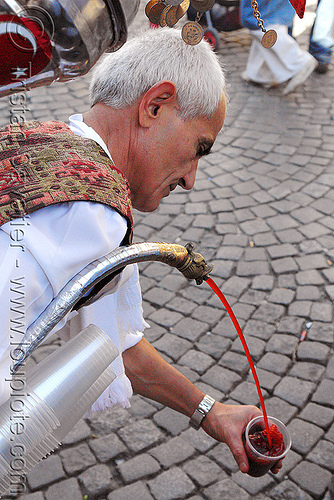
195, 267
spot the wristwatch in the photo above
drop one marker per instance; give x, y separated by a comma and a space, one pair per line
201, 411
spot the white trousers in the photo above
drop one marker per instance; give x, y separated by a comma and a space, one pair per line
277, 64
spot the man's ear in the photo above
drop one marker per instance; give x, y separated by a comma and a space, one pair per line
154, 100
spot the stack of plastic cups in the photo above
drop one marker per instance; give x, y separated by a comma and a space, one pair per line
59, 391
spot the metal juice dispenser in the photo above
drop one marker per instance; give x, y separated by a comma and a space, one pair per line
42, 41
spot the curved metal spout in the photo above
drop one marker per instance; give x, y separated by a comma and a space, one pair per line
191, 264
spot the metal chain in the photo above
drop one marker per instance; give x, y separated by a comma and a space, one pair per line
257, 15
198, 17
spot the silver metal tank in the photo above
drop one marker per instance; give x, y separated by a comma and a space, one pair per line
48, 40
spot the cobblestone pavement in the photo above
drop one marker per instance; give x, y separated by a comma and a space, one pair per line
262, 212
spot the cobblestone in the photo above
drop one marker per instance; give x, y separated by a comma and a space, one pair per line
46, 472
268, 379
255, 345
199, 439
253, 485
277, 406
321, 332
221, 378
323, 454
79, 432
96, 480
307, 371
246, 393
138, 490
77, 459
226, 489
171, 421
107, 447
282, 344
108, 421
319, 415
175, 451
190, 329
138, 467
172, 345
171, 484
325, 393
312, 478
236, 362
304, 435
214, 345
294, 390
140, 435
34, 496
204, 471
66, 490
277, 363
287, 490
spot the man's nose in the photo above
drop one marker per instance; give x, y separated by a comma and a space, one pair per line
188, 180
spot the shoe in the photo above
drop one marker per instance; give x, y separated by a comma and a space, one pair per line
322, 68
301, 76
245, 78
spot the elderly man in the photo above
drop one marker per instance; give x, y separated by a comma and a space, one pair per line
155, 113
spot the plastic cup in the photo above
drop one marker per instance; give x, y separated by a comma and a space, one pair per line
59, 391
260, 464
84, 404
61, 379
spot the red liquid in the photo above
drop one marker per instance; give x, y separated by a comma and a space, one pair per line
258, 466
260, 441
218, 292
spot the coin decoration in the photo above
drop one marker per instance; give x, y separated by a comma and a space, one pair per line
171, 16
169, 12
202, 5
269, 39
182, 8
166, 12
149, 5
163, 21
192, 33
154, 13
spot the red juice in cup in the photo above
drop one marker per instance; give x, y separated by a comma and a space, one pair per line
261, 456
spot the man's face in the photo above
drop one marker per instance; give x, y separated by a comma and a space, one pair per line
168, 154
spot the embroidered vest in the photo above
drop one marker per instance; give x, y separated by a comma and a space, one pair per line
46, 163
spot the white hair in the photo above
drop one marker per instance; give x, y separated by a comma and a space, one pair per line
156, 55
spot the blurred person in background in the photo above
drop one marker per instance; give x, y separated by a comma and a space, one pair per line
285, 61
321, 38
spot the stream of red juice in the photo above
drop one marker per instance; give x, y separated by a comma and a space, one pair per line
227, 306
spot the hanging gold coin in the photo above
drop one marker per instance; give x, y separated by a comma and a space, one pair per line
269, 39
202, 5
171, 17
174, 14
182, 8
149, 5
163, 21
192, 33
154, 14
